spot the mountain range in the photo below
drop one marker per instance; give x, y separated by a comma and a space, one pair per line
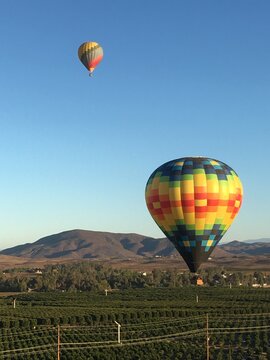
119, 248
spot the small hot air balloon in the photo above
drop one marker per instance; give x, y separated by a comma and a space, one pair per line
194, 200
90, 54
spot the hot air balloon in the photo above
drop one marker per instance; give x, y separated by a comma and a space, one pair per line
90, 54
194, 200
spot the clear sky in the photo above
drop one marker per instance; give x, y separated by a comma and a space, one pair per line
178, 78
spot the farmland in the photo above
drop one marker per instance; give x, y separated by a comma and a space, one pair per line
156, 323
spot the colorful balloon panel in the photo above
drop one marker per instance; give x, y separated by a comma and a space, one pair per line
90, 54
194, 201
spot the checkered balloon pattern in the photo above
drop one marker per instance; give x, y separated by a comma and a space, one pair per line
194, 200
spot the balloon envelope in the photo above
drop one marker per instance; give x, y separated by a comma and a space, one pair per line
90, 54
194, 200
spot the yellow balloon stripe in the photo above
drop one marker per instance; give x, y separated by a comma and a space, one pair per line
87, 46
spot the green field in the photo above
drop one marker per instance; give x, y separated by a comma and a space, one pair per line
155, 324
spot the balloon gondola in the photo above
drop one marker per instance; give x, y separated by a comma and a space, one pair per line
194, 200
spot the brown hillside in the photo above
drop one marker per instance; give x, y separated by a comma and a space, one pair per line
126, 250
83, 244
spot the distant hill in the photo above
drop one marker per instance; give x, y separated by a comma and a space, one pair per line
86, 244
240, 247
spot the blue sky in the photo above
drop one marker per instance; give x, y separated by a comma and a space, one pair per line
178, 78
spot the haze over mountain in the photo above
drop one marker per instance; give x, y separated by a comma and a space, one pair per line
261, 240
86, 244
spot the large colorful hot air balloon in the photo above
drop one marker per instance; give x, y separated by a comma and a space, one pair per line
90, 54
194, 200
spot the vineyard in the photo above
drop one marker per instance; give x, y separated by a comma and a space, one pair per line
183, 323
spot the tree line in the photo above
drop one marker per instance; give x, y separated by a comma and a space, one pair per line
85, 276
